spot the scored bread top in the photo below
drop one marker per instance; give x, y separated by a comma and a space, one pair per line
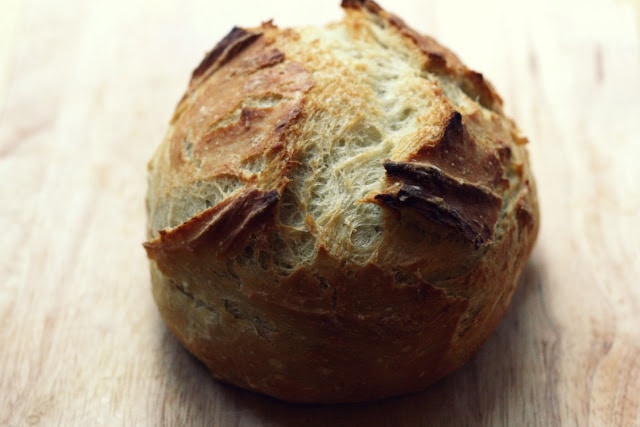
323, 130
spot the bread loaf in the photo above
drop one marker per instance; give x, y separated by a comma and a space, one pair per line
337, 214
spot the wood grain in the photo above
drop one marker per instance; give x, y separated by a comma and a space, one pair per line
86, 90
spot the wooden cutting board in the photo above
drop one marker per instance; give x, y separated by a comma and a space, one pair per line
86, 90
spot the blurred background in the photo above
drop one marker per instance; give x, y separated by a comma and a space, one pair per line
86, 92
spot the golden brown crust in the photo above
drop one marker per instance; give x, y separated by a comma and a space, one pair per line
337, 215
255, 84
226, 49
437, 58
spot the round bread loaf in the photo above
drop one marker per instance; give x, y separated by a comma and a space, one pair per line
337, 214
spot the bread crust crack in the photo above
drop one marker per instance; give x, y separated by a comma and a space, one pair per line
231, 45
220, 228
471, 209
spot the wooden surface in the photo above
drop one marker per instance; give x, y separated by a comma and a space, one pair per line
86, 90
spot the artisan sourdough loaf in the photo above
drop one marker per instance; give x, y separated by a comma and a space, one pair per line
337, 214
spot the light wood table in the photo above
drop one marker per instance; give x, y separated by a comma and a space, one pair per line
86, 90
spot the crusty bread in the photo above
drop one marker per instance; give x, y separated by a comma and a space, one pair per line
337, 214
